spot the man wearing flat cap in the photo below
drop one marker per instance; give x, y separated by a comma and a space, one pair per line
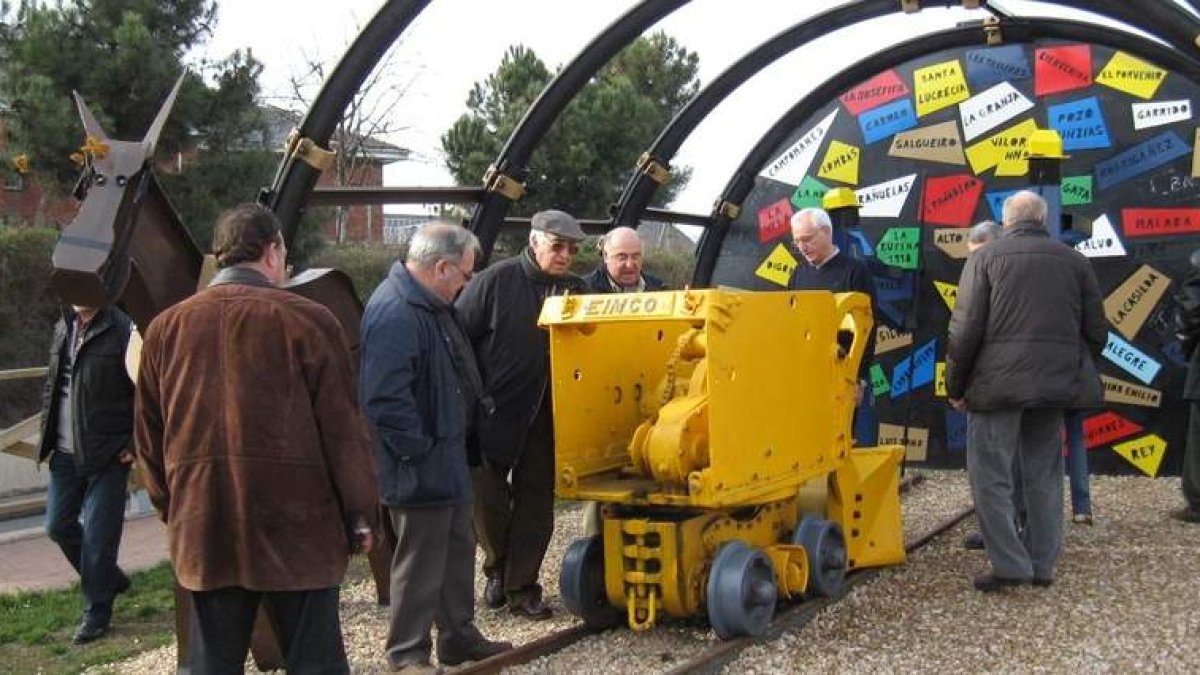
514, 442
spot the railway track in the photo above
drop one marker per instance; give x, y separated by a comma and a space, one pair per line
712, 659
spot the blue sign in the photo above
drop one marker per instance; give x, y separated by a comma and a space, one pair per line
996, 199
1138, 159
923, 364
986, 67
1130, 359
901, 377
890, 289
885, 121
1080, 123
956, 429
864, 244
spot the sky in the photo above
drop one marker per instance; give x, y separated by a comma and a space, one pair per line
455, 43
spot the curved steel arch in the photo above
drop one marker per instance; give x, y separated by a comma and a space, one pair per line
1015, 31
641, 187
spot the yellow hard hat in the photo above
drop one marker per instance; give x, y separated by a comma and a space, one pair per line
839, 198
1046, 144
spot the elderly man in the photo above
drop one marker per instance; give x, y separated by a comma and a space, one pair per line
620, 269
981, 233
514, 484
1024, 335
420, 388
256, 454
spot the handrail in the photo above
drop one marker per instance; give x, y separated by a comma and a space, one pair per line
23, 373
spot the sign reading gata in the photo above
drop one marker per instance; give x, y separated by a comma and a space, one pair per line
634, 304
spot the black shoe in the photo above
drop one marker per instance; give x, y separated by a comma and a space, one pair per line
90, 629
990, 583
123, 584
493, 592
1187, 514
1042, 583
530, 607
476, 651
973, 541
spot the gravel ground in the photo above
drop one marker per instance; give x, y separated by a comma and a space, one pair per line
1121, 602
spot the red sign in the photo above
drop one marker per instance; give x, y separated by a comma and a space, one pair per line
774, 220
1159, 222
1107, 427
1060, 69
951, 200
873, 93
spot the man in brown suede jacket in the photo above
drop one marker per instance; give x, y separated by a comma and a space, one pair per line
256, 454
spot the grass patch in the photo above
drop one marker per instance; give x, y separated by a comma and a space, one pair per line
36, 628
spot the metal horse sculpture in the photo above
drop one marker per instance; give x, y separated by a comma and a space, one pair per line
128, 246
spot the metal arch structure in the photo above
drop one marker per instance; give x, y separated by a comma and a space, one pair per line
297, 174
1014, 30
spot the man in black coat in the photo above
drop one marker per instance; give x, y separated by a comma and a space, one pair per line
620, 269
87, 439
1188, 329
514, 484
1025, 332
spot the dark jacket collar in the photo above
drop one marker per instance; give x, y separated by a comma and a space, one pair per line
99, 322
240, 274
413, 291
1025, 228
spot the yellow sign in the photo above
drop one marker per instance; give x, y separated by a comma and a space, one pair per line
952, 241
778, 266
1132, 76
939, 380
939, 86
1120, 391
1146, 453
949, 293
1007, 151
917, 447
1128, 307
889, 339
840, 163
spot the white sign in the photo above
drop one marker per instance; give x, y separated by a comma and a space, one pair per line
1104, 242
885, 200
991, 108
791, 166
1158, 113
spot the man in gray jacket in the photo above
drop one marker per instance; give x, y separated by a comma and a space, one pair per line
1024, 335
420, 389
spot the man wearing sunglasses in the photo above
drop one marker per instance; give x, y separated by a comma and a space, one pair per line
514, 448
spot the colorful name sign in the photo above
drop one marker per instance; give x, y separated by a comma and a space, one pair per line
1132, 75
1131, 359
885, 121
900, 247
935, 143
1076, 190
951, 200
1130, 304
915, 442
1140, 158
923, 361
1158, 113
777, 268
809, 193
1107, 427
939, 86
840, 163
879, 381
1059, 69
885, 200
1146, 453
939, 380
1007, 151
952, 241
792, 165
884, 87
1159, 222
993, 65
989, 109
996, 199
889, 339
1080, 124
1128, 393
1104, 242
949, 293
774, 221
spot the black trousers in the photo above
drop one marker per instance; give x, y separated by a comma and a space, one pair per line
305, 622
1190, 475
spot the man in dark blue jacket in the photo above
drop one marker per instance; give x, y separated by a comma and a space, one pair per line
420, 388
620, 269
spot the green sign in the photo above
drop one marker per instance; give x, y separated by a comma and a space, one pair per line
809, 194
879, 381
900, 247
1076, 190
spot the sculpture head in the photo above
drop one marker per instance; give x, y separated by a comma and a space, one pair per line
91, 259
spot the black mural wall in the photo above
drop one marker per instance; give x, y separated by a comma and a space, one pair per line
935, 145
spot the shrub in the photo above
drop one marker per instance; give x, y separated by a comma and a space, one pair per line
28, 310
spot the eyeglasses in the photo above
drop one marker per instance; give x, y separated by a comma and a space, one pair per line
564, 246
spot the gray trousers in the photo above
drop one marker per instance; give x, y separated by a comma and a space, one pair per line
1017, 455
433, 582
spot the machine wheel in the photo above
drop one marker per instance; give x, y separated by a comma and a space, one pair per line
741, 591
581, 584
826, 550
